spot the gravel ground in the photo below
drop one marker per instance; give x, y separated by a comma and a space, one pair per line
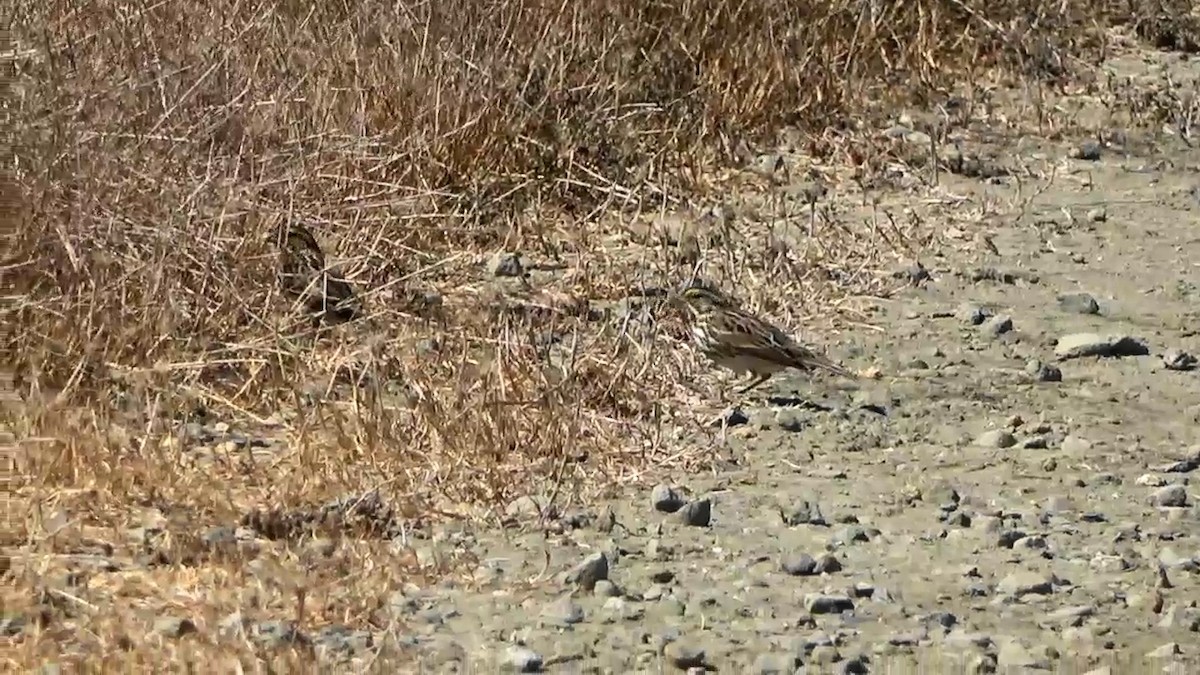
1013, 493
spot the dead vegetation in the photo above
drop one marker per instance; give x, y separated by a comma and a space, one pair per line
157, 149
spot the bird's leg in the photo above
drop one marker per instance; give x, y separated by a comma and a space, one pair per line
756, 379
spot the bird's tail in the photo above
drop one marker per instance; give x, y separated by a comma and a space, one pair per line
814, 360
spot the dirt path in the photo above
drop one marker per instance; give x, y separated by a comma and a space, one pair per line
984, 503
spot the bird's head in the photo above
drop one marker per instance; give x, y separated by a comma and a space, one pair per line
702, 299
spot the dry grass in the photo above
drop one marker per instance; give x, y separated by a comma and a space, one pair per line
158, 145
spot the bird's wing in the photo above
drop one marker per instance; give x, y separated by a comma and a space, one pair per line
810, 359
763, 340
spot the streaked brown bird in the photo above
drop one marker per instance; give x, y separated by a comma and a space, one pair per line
303, 273
734, 339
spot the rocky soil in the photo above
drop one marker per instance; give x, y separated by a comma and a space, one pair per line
1014, 492
1011, 490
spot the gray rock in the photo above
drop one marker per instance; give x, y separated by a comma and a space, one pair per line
804, 513
915, 273
220, 537
943, 620
319, 547
504, 264
666, 498
592, 569
1078, 303
444, 654
1175, 359
232, 626
339, 641
529, 508
961, 639
907, 638
619, 608
684, 655
972, 314
1043, 372
799, 565
1009, 538
996, 438
958, 519
821, 603
606, 589
1003, 276
791, 420
1170, 559
824, 655
981, 664
1030, 543
1014, 654
1109, 564
11, 626
656, 550
607, 520
802, 564
1070, 616
1073, 445
767, 165
1078, 345
174, 627
1165, 651
776, 664
828, 564
1020, 584
731, 417
814, 640
1088, 151
850, 534
1170, 496
562, 612
1186, 465
856, 665
997, 325
697, 513
275, 634
518, 659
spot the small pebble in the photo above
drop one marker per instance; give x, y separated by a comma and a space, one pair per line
1178, 360
1088, 150
1078, 345
1170, 496
972, 314
563, 612
820, 603
174, 627
666, 498
1075, 445
518, 659
684, 655
998, 325
591, 570
1043, 372
996, 438
804, 513
504, 264
1078, 303
1019, 584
